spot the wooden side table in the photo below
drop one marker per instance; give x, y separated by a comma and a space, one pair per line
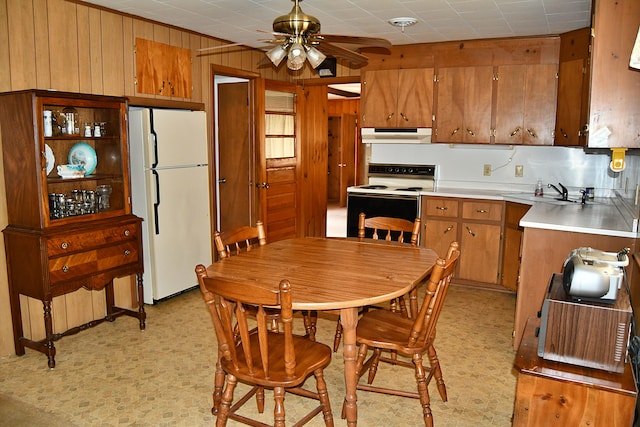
557, 394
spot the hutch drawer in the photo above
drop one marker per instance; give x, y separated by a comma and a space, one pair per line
82, 241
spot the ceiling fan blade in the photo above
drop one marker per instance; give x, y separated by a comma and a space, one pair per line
363, 41
219, 47
343, 53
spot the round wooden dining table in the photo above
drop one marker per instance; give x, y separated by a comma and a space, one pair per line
334, 274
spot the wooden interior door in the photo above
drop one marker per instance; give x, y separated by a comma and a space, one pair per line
234, 155
347, 149
334, 147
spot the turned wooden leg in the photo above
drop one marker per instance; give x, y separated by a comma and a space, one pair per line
260, 399
218, 385
310, 320
278, 412
403, 307
423, 391
142, 315
362, 355
373, 368
323, 396
437, 372
349, 320
50, 349
338, 336
225, 404
413, 302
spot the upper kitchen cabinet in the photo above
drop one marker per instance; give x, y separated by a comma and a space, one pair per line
463, 109
525, 101
615, 87
573, 88
162, 69
401, 98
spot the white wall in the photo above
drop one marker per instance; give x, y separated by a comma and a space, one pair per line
462, 166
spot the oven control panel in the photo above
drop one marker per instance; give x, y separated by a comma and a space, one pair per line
405, 171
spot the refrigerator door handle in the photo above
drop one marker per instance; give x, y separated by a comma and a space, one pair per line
156, 202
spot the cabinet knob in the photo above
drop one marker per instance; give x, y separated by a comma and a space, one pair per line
515, 131
442, 208
390, 116
64, 245
471, 232
65, 268
449, 228
531, 133
405, 118
127, 233
453, 132
127, 252
470, 132
481, 211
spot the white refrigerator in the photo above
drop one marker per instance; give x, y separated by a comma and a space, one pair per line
170, 191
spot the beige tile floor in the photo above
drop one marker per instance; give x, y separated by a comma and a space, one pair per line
116, 375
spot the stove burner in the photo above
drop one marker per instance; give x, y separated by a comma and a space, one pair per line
374, 187
409, 189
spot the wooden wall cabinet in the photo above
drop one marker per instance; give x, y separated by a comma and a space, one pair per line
615, 87
512, 246
572, 109
476, 224
57, 240
162, 69
525, 97
397, 98
463, 111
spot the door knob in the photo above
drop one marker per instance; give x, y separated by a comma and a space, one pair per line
222, 181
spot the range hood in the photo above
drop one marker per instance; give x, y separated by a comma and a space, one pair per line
396, 135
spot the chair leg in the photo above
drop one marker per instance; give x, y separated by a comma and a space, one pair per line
338, 336
225, 404
323, 396
423, 391
437, 372
403, 307
218, 384
373, 369
260, 399
278, 412
310, 321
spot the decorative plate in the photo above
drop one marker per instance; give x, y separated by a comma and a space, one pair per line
83, 154
51, 159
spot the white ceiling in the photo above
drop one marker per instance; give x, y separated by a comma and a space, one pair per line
438, 20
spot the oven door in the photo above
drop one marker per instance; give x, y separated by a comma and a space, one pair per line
394, 206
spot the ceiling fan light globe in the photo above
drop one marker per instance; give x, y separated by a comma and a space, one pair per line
315, 57
276, 55
296, 58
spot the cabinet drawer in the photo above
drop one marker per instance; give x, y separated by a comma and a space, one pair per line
65, 244
442, 207
482, 211
88, 263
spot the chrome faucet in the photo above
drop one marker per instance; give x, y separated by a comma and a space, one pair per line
564, 193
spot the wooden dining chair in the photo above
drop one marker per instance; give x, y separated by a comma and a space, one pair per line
243, 239
387, 229
384, 330
260, 357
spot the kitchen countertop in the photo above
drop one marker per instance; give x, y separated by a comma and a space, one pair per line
605, 215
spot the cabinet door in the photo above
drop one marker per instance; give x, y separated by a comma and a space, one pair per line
379, 98
480, 252
438, 235
569, 116
450, 105
464, 104
415, 98
477, 112
525, 102
162, 69
539, 104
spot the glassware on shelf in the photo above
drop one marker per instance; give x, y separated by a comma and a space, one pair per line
72, 127
103, 193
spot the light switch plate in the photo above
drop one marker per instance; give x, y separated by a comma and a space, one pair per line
519, 171
487, 170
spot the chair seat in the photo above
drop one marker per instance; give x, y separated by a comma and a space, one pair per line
387, 330
310, 355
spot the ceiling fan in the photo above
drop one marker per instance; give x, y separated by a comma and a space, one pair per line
298, 38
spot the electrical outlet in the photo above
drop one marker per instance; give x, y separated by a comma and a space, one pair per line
519, 171
487, 170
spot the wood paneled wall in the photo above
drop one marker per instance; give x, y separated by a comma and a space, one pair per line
69, 45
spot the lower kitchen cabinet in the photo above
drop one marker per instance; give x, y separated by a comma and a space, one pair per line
512, 247
476, 224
